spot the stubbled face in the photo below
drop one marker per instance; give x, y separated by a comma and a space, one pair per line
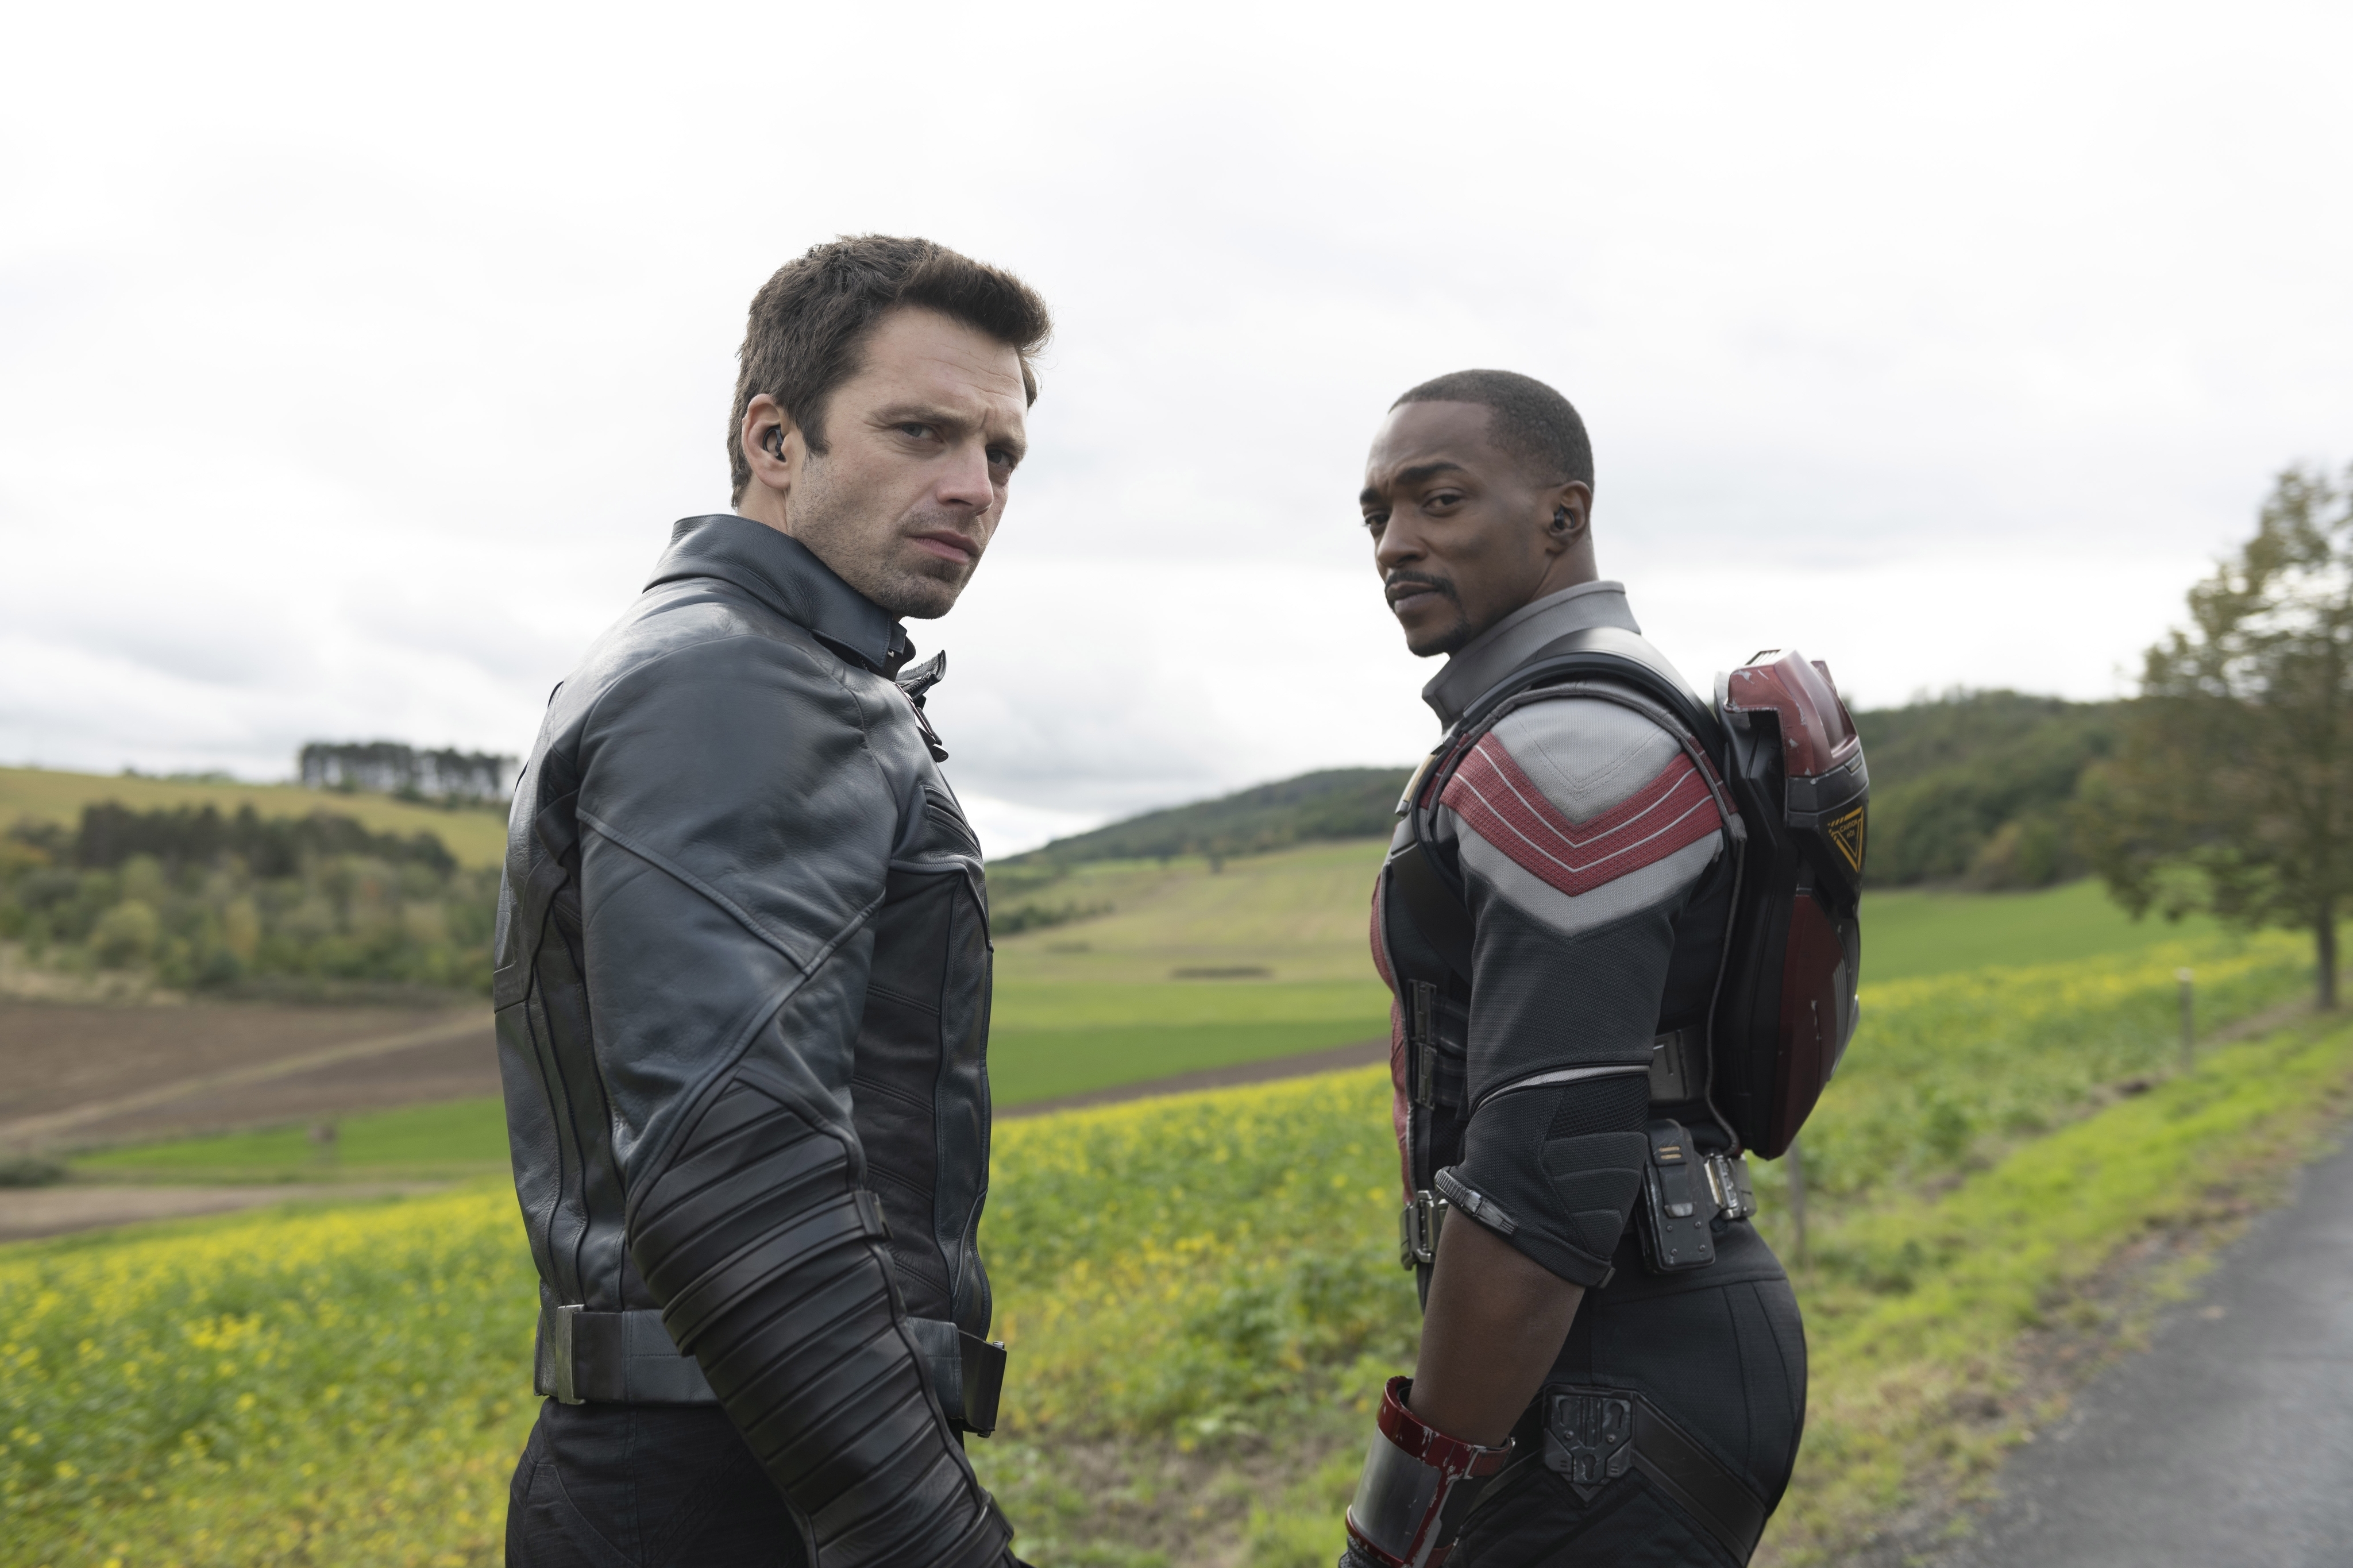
921, 446
1462, 533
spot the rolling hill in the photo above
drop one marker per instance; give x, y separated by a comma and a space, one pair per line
1332, 803
1977, 786
477, 839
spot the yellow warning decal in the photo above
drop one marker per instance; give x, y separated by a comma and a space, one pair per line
1847, 833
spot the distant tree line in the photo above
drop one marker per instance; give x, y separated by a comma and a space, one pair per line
389, 767
203, 900
268, 846
1980, 788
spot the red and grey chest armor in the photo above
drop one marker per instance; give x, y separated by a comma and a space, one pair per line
1758, 1002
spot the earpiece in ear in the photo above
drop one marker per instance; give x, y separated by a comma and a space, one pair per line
1560, 520
776, 441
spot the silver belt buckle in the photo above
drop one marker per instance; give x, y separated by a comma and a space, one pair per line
567, 1387
1418, 1224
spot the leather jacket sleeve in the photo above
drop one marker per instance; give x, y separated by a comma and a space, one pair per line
1580, 830
735, 833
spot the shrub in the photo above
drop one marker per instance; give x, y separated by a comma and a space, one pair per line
125, 934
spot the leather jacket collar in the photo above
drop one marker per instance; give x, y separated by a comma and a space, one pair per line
1503, 648
786, 574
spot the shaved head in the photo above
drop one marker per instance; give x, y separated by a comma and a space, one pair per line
1526, 419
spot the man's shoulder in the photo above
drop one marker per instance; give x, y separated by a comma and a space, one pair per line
1580, 809
701, 629
1588, 756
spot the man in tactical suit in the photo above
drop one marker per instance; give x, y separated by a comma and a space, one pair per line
743, 973
1569, 1405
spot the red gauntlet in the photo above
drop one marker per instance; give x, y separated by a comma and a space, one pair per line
1417, 1486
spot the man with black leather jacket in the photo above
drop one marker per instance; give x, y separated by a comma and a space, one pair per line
743, 973
1551, 921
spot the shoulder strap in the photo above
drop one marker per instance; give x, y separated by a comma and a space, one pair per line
1603, 653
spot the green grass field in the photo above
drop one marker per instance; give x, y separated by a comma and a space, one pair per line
1300, 915
1909, 933
477, 839
346, 1387
454, 1139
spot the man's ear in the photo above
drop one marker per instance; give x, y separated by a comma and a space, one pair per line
1568, 515
776, 451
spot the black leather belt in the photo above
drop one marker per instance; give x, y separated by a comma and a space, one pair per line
1593, 1436
628, 1358
620, 1358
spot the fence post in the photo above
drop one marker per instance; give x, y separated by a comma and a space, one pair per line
2188, 1020
1797, 1201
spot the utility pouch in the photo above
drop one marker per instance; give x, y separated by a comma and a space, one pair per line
1677, 1203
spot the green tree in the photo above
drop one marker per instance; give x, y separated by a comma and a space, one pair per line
2234, 783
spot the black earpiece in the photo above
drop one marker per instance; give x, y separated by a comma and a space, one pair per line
1560, 520
776, 441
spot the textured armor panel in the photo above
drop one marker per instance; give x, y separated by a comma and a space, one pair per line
1584, 841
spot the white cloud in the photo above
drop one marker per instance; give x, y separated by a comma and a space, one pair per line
357, 362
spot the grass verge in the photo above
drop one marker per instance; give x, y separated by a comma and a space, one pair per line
1916, 1312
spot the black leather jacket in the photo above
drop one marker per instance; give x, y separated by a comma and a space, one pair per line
743, 1008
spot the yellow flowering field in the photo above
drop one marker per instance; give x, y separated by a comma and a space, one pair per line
331, 1387
1200, 1293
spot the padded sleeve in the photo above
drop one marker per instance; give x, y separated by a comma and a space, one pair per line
769, 1263
1581, 828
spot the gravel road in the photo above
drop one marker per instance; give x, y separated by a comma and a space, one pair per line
2229, 1443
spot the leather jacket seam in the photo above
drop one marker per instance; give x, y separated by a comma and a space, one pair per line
741, 915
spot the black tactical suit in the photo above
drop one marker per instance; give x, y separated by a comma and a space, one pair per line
1590, 854
742, 1007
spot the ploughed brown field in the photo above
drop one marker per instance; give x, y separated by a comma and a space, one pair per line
76, 1077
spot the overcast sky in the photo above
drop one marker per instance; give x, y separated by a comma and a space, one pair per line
353, 363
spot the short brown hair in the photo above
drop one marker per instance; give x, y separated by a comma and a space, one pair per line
810, 323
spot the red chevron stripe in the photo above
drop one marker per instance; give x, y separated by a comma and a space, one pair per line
1497, 800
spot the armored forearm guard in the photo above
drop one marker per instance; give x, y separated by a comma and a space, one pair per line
1418, 1485
767, 1262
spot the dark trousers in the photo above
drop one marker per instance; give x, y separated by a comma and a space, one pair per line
1721, 1352
645, 1485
